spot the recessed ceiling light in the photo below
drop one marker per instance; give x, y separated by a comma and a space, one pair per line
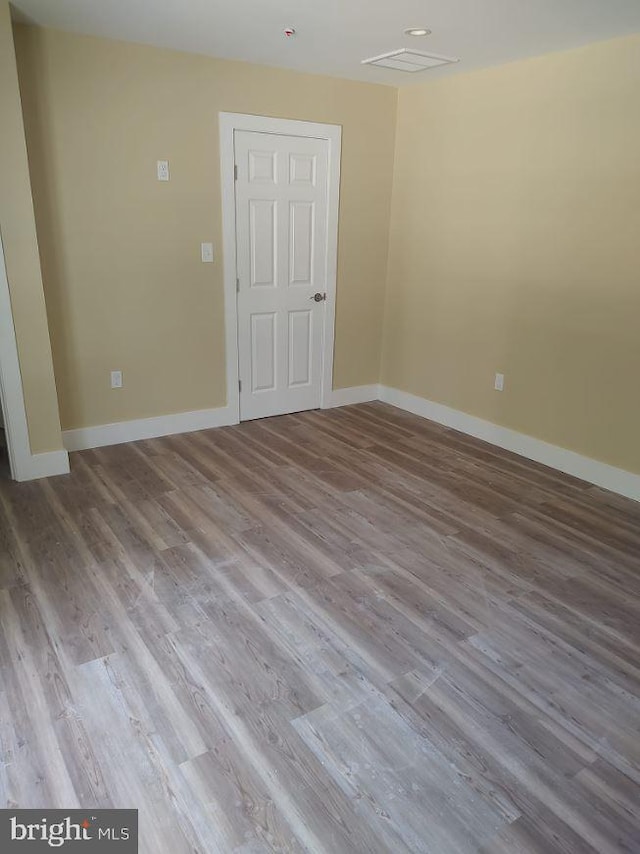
417, 31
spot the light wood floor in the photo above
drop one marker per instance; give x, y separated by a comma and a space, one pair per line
342, 631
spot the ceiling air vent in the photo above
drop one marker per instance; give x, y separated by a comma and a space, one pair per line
409, 60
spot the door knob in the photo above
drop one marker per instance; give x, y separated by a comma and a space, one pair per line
318, 297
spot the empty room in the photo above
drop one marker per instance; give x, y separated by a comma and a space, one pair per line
320, 426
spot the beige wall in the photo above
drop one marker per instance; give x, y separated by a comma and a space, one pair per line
124, 284
18, 232
515, 247
514, 232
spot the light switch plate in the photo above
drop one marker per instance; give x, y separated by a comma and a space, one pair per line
163, 170
206, 253
499, 382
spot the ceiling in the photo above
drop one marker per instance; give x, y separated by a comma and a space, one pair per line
333, 36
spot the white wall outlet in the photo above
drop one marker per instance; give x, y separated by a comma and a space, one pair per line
163, 170
206, 253
116, 379
499, 382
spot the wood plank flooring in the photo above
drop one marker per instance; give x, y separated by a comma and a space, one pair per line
339, 631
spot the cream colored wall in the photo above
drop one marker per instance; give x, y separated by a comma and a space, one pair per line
516, 210
515, 247
124, 284
18, 232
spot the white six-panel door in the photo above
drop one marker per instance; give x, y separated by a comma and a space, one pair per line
281, 246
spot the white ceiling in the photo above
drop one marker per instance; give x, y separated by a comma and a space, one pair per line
333, 36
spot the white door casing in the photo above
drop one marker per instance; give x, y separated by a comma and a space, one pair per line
280, 243
11, 394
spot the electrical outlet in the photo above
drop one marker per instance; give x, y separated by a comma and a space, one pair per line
163, 170
116, 379
206, 253
499, 382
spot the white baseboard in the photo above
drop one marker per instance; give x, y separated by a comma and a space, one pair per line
600, 474
47, 464
355, 394
83, 438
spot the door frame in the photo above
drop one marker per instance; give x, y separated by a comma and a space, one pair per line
230, 123
11, 394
